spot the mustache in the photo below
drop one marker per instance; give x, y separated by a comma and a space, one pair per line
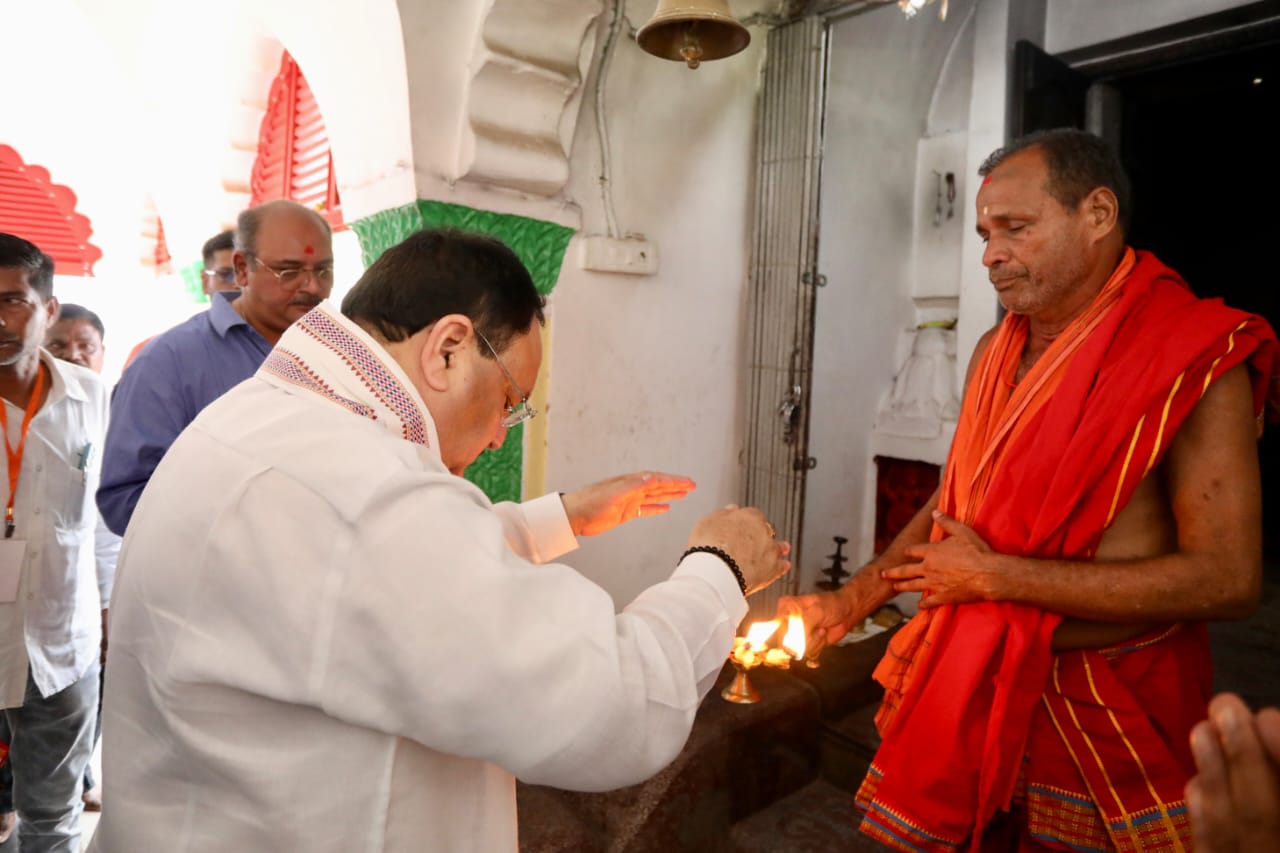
9, 339
306, 299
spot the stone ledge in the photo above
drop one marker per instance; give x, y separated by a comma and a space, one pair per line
738, 760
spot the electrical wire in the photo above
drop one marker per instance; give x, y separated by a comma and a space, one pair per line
602, 128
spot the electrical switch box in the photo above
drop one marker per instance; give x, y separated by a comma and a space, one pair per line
627, 255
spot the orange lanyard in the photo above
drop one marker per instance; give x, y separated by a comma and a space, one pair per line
15, 456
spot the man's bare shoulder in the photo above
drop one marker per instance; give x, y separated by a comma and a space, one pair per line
979, 350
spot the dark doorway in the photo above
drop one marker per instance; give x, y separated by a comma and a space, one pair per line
1197, 140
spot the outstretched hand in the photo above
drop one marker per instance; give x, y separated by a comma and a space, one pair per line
956, 570
604, 505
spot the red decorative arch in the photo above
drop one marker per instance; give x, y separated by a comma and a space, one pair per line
293, 159
33, 207
163, 260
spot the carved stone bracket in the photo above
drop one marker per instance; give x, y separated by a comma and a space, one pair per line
524, 96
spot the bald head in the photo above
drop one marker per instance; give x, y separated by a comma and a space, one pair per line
283, 265
249, 223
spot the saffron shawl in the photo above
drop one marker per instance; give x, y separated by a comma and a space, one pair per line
1040, 469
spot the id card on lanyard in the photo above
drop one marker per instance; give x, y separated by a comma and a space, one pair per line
13, 550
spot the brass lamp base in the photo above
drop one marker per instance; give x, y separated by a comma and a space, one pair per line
740, 690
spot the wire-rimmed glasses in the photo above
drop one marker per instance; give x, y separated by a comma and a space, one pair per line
520, 412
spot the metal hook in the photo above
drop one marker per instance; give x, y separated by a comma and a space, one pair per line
937, 208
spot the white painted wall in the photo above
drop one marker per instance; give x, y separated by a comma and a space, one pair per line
645, 371
1079, 23
994, 36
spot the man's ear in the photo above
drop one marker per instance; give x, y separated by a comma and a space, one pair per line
1102, 211
52, 306
446, 337
240, 263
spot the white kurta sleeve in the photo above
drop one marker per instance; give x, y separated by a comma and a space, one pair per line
442, 635
537, 530
106, 549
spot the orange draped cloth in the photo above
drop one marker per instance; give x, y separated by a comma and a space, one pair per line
976, 704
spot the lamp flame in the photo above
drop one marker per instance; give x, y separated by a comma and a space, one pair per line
750, 650
759, 633
793, 640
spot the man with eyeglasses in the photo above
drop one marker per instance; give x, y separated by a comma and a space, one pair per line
219, 271
283, 267
348, 600
217, 274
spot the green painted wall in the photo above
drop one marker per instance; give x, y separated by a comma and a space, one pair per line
540, 245
192, 279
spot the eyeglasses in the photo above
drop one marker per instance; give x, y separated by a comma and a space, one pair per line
226, 275
520, 412
290, 276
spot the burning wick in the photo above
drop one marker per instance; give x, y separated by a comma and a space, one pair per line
793, 640
752, 651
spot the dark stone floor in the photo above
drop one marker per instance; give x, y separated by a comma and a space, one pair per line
1246, 654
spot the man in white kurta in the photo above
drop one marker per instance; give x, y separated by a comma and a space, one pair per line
55, 417
323, 640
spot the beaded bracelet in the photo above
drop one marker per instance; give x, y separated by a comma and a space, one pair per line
723, 555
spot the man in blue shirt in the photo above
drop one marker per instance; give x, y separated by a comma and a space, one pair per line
219, 271
284, 266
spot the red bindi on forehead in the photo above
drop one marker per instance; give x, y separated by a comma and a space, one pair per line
986, 180
308, 251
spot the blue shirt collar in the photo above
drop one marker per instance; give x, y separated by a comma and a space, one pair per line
222, 315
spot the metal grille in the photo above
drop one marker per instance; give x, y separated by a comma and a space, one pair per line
783, 278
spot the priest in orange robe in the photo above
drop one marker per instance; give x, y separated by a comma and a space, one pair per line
1101, 501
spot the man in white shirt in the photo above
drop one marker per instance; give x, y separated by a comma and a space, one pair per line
79, 336
54, 419
347, 600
